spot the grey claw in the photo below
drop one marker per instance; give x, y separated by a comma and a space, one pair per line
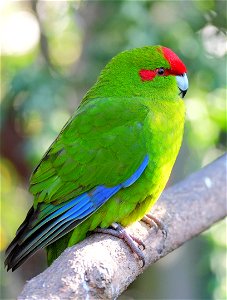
165, 232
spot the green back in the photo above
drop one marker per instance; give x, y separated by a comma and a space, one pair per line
102, 144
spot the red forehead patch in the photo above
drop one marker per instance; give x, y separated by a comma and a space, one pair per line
176, 65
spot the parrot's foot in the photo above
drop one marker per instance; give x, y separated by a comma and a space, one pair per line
156, 223
130, 240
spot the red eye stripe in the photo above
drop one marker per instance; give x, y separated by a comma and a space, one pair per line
176, 66
148, 75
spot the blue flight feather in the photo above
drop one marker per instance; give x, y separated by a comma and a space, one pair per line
137, 174
62, 217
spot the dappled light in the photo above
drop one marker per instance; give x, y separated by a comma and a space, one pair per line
20, 33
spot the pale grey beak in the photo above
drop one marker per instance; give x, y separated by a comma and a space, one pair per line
182, 82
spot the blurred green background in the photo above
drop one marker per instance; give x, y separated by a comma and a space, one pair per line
51, 54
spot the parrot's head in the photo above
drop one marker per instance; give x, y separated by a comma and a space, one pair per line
153, 71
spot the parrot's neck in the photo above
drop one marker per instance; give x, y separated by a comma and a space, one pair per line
107, 89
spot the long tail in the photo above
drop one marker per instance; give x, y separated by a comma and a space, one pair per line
49, 222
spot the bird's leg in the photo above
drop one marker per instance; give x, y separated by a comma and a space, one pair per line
118, 231
156, 223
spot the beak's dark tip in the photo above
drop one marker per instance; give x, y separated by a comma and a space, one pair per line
183, 93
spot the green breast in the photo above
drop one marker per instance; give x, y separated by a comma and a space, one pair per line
164, 128
163, 131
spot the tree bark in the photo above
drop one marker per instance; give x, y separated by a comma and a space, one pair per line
102, 266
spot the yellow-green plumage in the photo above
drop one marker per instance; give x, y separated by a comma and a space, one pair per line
121, 120
163, 124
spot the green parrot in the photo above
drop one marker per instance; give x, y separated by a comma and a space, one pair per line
112, 159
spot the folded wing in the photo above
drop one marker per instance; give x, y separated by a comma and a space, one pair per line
94, 157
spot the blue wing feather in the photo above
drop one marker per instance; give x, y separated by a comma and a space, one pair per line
137, 174
57, 220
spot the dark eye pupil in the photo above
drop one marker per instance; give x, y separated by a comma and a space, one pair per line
161, 71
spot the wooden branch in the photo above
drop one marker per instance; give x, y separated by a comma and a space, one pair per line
102, 267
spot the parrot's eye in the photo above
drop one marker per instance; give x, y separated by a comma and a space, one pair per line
160, 71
